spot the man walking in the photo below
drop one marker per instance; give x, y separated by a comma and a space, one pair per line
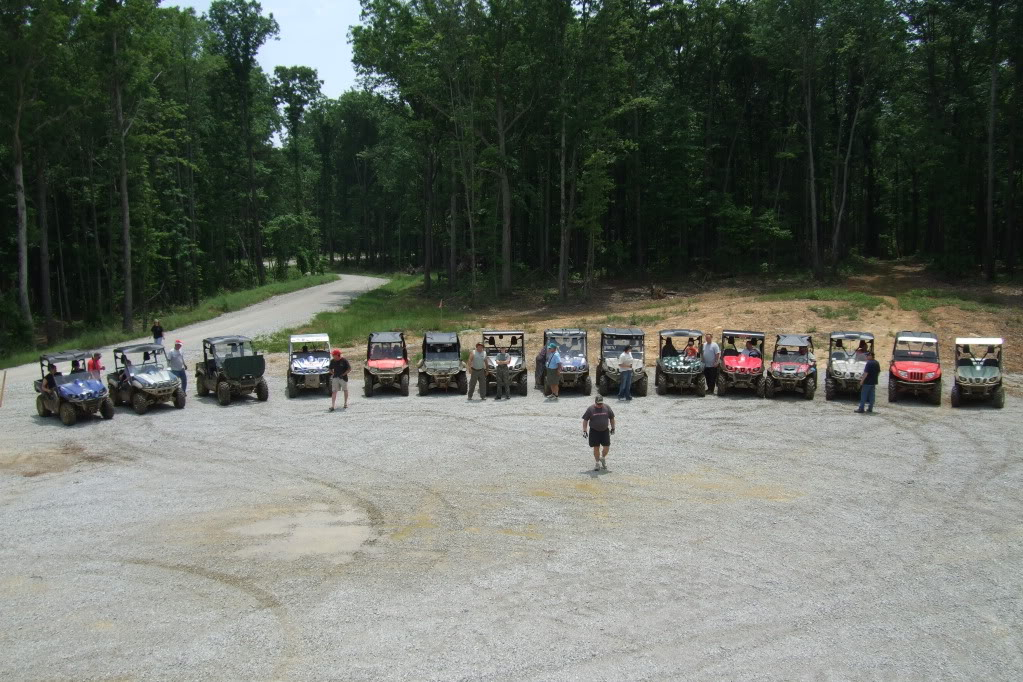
868, 383
502, 360
599, 419
157, 333
478, 371
95, 365
177, 365
552, 376
339, 368
711, 357
625, 361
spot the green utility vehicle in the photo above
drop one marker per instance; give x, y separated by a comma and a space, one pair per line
230, 368
680, 362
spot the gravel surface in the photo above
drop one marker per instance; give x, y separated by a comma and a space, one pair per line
432, 538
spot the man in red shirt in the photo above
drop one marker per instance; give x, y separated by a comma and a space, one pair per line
94, 366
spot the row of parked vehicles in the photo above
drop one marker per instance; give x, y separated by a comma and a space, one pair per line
231, 367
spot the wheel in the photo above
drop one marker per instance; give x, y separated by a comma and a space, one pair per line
936, 394
262, 391
829, 389
893, 391
640, 389
424, 385
115, 395
722, 385
106, 409
955, 397
586, 387
403, 386
325, 384
367, 384
700, 386
768, 385
603, 385
139, 403
223, 393
41, 409
292, 390
659, 384
998, 398
809, 388
68, 414
462, 383
200, 385
179, 399
524, 385
760, 388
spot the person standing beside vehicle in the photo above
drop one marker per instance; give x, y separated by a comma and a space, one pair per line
599, 421
711, 357
552, 373
178, 368
478, 371
503, 359
49, 385
868, 383
625, 362
339, 368
94, 365
157, 333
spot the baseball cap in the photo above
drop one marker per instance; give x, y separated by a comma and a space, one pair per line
336, 351
552, 345
177, 342
599, 399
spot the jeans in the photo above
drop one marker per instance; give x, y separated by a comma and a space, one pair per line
625, 388
158, 340
503, 382
711, 375
867, 396
183, 375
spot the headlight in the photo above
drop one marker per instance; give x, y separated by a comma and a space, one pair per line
801, 375
903, 374
929, 375
373, 370
992, 380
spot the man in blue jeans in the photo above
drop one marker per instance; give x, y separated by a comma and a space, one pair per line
625, 361
177, 365
868, 384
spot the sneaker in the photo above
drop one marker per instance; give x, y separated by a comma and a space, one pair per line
468, 400
859, 411
596, 467
603, 463
870, 409
330, 409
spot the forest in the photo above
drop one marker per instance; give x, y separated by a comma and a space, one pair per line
147, 160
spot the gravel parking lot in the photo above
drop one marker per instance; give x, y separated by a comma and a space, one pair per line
431, 538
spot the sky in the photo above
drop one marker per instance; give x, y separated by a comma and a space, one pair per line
312, 33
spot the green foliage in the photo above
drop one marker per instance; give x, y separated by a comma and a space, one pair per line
852, 299
829, 313
923, 300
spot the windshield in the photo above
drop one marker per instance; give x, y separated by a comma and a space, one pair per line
149, 359
385, 351
77, 377
569, 346
919, 351
791, 354
493, 344
615, 346
233, 350
136, 370
442, 351
316, 352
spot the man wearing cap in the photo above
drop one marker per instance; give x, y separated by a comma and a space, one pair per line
339, 369
553, 374
94, 366
599, 420
478, 371
177, 364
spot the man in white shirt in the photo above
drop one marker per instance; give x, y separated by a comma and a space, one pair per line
177, 365
625, 361
711, 357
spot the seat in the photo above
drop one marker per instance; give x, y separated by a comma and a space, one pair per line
990, 362
965, 362
729, 352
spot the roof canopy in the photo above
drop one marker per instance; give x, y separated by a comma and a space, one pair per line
979, 341
63, 356
386, 337
794, 340
310, 338
217, 340
743, 334
688, 333
564, 332
440, 337
503, 332
853, 336
139, 348
916, 336
622, 331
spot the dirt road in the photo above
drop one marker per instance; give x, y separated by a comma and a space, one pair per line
432, 538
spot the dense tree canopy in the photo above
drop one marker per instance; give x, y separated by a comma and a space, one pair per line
148, 160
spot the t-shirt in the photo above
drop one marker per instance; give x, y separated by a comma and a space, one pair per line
554, 360
502, 357
176, 360
94, 365
51, 381
157, 331
870, 372
478, 359
625, 361
711, 352
599, 417
339, 367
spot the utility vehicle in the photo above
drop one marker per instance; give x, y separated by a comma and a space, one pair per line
847, 356
978, 371
679, 365
141, 378
77, 393
575, 368
441, 365
738, 369
386, 363
515, 341
308, 363
612, 344
230, 368
793, 367
915, 367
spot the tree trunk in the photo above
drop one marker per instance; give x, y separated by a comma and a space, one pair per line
427, 220
815, 254
22, 210
45, 293
127, 311
506, 226
989, 240
844, 191
453, 245
563, 218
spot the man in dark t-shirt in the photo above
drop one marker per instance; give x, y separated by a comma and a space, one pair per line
599, 419
339, 369
868, 384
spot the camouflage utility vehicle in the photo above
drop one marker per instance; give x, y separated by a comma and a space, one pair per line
142, 379
847, 356
441, 365
515, 342
230, 368
915, 367
680, 362
978, 371
793, 367
308, 363
386, 363
76, 394
575, 368
742, 361
612, 344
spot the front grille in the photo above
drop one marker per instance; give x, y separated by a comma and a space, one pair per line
916, 376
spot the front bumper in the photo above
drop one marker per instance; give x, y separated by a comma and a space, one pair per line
741, 379
915, 387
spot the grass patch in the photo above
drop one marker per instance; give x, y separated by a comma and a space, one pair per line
632, 320
829, 313
208, 308
923, 300
852, 299
395, 306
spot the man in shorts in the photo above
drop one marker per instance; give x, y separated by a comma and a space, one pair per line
339, 369
599, 421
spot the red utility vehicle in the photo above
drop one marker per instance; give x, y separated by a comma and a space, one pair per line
742, 365
915, 366
386, 363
